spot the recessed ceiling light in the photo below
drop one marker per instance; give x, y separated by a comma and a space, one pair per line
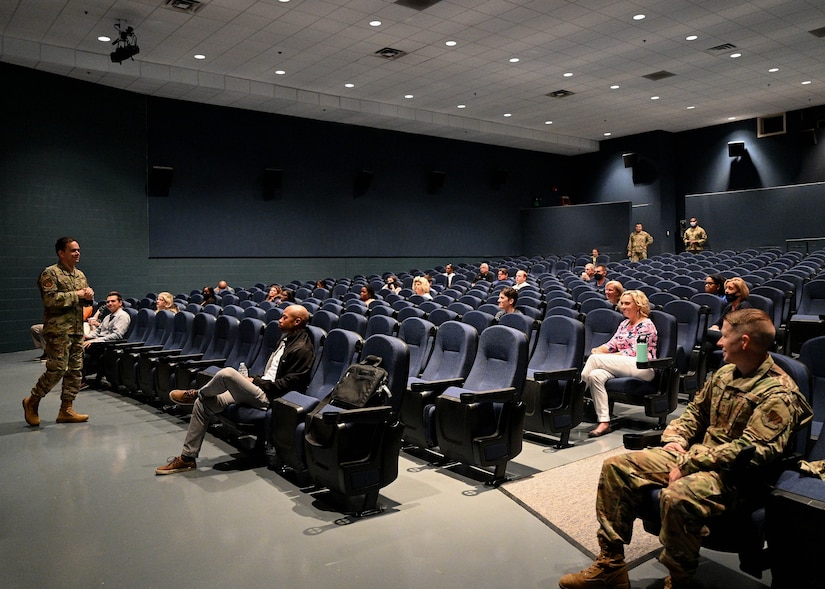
514, 60
409, 96
638, 17
608, 134
731, 118
691, 37
806, 82
104, 39
280, 72
548, 122
615, 87
349, 85
507, 114
375, 23
199, 56
735, 55
654, 98
461, 106
283, 1
773, 70
568, 74
450, 43
691, 107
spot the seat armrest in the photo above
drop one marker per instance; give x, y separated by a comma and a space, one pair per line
181, 358
657, 363
161, 353
561, 374
431, 385
144, 349
204, 363
492, 396
364, 415
642, 440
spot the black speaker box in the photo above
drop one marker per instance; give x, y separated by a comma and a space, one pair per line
273, 181
435, 182
736, 148
363, 181
630, 159
159, 180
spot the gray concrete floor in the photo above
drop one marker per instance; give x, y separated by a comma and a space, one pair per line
81, 507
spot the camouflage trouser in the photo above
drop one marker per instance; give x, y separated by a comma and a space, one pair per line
638, 256
64, 360
685, 504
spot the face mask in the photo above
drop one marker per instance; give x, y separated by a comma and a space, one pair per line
693, 224
598, 276
731, 297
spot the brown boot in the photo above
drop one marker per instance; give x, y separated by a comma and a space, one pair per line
69, 415
608, 572
30, 405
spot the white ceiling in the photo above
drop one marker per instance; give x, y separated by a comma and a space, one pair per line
323, 44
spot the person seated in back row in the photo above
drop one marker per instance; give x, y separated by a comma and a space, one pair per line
289, 369
507, 299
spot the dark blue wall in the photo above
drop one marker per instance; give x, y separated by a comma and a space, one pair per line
74, 155
216, 206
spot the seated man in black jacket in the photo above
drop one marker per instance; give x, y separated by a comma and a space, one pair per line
289, 369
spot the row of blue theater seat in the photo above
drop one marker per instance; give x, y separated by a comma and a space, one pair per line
548, 417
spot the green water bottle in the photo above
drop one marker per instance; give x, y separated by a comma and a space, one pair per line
641, 352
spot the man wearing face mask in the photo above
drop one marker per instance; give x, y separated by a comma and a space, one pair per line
695, 237
600, 278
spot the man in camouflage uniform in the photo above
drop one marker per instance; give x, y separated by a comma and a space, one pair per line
749, 401
695, 237
637, 244
65, 292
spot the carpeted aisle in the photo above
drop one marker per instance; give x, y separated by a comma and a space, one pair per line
565, 499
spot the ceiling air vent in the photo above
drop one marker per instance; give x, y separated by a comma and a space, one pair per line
390, 53
818, 32
722, 47
560, 94
190, 6
660, 75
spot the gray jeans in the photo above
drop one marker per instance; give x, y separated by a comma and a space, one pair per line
227, 386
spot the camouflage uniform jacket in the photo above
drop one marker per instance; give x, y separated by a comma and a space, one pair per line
638, 242
732, 412
62, 308
698, 234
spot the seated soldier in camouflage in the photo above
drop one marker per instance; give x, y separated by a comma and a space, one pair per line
749, 401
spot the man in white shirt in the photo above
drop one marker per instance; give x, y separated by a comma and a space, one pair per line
521, 280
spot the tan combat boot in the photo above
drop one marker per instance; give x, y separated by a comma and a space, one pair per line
69, 415
608, 572
30, 405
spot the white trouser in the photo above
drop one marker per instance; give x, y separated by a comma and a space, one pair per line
602, 367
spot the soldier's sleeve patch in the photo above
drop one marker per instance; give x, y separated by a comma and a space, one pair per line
774, 419
48, 282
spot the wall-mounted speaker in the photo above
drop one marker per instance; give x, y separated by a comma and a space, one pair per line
630, 159
272, 183
363, 181
159, 180
808, 137
435, 181
736, 148
498, 178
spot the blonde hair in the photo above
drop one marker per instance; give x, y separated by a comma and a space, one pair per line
741, 286
169, 301
425, 284
641, 301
